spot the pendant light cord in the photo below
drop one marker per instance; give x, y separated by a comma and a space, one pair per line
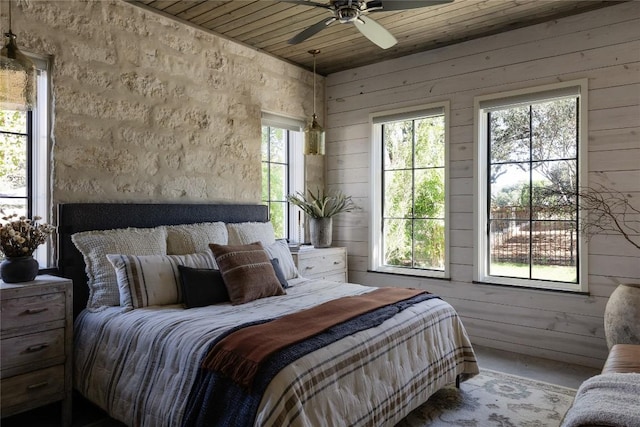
314, 84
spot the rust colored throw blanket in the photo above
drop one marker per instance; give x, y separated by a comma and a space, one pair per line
240, 354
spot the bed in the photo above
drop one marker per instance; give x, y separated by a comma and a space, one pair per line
142, 365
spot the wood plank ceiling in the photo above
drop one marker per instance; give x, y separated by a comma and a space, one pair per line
268, 25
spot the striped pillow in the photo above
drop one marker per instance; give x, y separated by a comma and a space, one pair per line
153, 279
247, 272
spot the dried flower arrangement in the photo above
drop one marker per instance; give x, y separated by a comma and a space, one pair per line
20, 236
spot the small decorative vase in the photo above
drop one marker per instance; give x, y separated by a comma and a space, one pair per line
320, 232
19, 269
622, 315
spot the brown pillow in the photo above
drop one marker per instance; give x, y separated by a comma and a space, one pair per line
247, 272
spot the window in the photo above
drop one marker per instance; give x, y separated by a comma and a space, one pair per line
282, 164
410, 208
24, 165
530, 157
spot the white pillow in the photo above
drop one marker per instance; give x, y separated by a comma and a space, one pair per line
94, 247
280, 250
245, 233
192, 238
153, 279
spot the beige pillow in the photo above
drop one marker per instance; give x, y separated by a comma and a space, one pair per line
145, 280
245, 233
94, 247
193, 238
247, 272
280, 251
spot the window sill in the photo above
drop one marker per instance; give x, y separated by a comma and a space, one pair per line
426, 274
531, 288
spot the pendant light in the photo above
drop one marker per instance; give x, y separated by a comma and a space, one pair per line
314, 133
17, 75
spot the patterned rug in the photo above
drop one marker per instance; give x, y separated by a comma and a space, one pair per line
494, 399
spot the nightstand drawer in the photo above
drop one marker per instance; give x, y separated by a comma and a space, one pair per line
32, 348
32, 387
313, 266
32, 310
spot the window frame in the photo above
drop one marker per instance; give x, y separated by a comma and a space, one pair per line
38, 155
514, 98
295, 165
376, 247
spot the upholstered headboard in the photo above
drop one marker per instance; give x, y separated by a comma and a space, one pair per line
76, 217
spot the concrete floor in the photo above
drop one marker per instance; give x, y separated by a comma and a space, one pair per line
551, 371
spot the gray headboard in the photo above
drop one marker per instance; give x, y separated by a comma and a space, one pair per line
76, 217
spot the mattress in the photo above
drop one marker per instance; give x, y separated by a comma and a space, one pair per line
139, 366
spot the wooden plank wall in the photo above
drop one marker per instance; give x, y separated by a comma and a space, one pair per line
603, 46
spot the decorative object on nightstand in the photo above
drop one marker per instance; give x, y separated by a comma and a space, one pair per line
326, 264
321, 208
19, 237
36, 333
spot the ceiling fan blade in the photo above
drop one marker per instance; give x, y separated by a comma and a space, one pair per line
312, 30
387, 5
308, 3
375, 32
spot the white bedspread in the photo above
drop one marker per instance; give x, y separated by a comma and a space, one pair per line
139, 366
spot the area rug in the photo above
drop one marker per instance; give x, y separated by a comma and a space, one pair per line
494, 399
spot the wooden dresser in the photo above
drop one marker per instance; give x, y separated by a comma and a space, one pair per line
327, 264
36, 333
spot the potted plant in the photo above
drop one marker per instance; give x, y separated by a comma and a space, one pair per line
19, 237
321, 207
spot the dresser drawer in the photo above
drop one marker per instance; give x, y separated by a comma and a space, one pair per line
331, 276
32, 310
32, 348
32, 387
317, 265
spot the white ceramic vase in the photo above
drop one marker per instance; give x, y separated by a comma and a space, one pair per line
622, 315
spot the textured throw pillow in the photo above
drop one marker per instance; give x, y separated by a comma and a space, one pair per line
247, 272
279, 274
202, 286
153, 279
192, 238
280, 250
245, 233
94, 247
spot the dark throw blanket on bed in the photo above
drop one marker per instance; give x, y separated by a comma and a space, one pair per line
216, 400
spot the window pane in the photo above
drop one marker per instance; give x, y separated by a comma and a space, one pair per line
554, 129
509, 248
397, 235
554, 190
509, 191
11, 206
13, 121
265, 182
509, 135
278, 145
398, 144
265, 144
430, 142
278, 187
429, 193
555, 251
428, 247
277, 215
13, 165
397, 194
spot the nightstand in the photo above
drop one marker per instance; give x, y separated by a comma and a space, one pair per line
36, 333
327, 263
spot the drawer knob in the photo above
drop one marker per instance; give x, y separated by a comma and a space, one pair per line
37, 385
336, 262
36, 310
37, 347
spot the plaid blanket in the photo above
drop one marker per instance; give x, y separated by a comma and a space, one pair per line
216, 400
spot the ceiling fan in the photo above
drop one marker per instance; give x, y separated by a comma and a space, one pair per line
355, 11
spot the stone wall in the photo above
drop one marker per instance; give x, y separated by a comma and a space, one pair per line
149, 109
